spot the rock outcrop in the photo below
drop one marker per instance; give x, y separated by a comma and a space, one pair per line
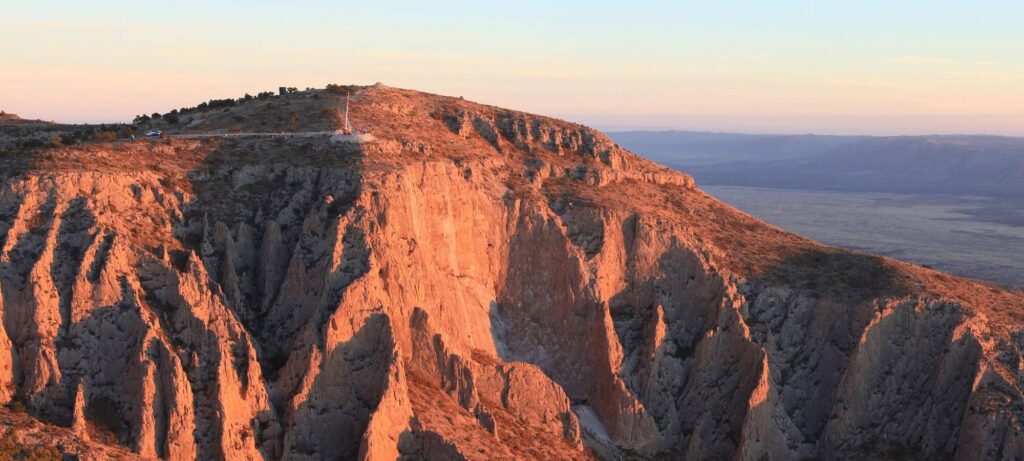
477, 283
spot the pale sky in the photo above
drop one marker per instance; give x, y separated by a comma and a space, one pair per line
871, 67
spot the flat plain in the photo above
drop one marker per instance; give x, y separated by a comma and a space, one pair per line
971, 236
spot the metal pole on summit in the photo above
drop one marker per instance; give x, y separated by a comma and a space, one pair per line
348, 128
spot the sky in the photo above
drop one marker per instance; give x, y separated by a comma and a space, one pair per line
835, 67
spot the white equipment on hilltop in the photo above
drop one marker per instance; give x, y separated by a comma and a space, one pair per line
348, 127
347, 134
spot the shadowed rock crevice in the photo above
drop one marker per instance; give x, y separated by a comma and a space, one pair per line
347, 389
424, 296
824, 320
283, 244
101, 257
28, 319
75, 235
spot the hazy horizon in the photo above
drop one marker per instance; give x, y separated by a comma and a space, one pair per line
869, 68
824, 125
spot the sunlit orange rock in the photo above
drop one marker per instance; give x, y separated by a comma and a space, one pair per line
474, 283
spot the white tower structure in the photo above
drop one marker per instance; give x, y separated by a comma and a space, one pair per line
348, 127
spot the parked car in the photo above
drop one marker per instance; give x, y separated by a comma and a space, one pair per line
153, 133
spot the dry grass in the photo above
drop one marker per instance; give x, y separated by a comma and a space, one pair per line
301, 111
439, 413
411, 127
25, 438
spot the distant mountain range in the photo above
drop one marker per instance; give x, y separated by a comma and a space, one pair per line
974, 165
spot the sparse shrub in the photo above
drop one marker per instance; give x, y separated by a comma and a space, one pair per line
104, 136
171, 118
17, 405
31, 143
72, 137
341, 89
215, 104
220, 103
11, 448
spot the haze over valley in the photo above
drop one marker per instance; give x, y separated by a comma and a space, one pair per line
371, 231
952, 202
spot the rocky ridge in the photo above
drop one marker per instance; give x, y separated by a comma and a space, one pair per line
478, 283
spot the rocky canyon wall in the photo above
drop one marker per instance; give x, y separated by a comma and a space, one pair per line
397, 301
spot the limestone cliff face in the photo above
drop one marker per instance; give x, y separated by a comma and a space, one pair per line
475, 284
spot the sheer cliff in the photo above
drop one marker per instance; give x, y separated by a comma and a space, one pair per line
476, 283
